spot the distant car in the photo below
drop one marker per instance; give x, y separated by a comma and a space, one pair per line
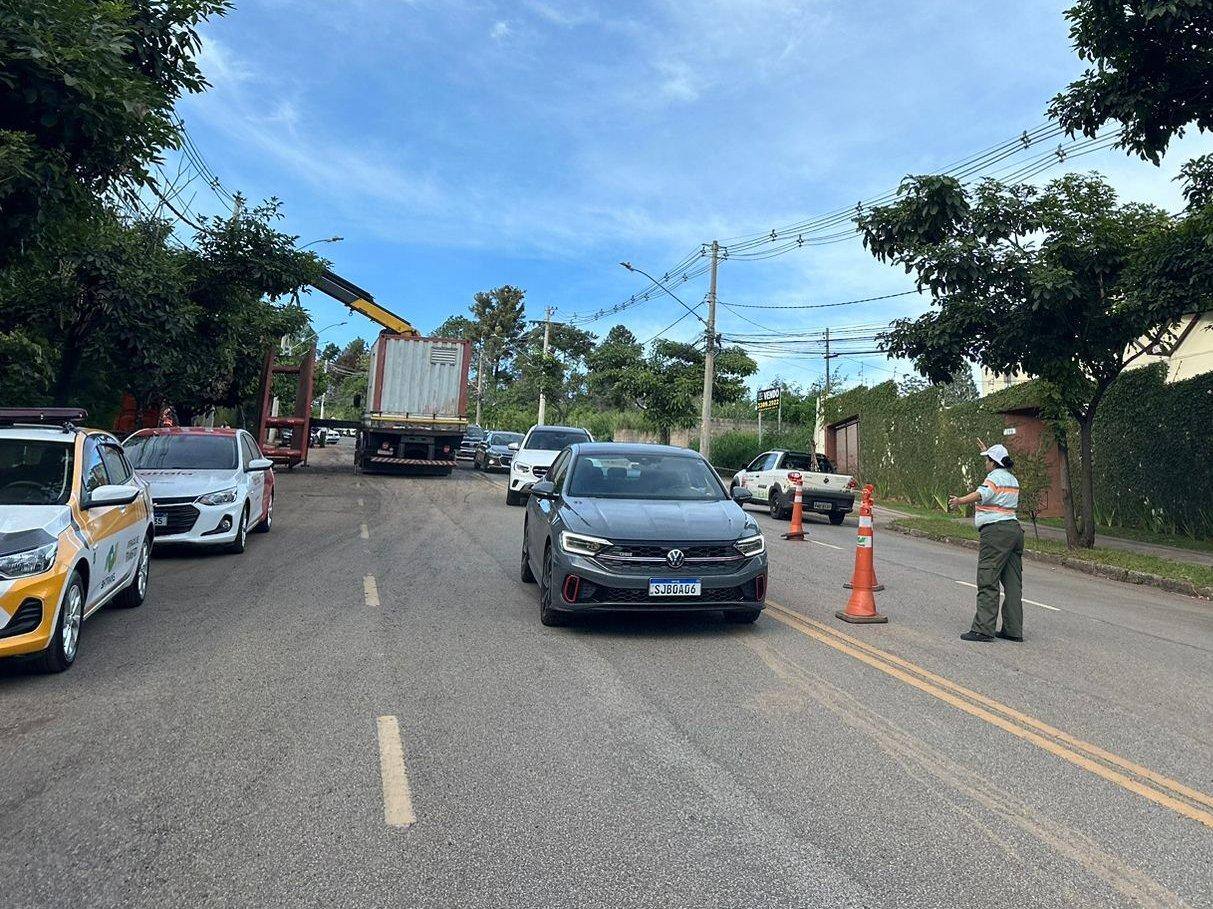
210, 487
472, 437
494, 452
535, 454
332, 436
772, 477
615, 527
75, 532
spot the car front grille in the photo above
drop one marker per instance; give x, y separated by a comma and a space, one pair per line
640, 596
178, 518
698, 558
27, 617
539, 472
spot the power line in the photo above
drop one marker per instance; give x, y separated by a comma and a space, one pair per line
901, 293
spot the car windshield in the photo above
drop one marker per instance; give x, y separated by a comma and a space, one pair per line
682, 478
501, 439
35, 473
185, 451
555, 439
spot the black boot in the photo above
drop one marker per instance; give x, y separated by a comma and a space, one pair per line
975, 636
1008, 637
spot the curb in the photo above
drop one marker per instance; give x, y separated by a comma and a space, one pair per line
1111, 572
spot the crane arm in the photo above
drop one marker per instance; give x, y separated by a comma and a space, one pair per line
359, 300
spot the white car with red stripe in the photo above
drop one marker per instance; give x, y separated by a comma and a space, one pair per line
210, 487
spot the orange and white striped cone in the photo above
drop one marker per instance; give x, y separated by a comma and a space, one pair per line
861, 607
796, 528
865, 523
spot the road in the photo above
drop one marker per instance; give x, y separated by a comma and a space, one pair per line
363, 710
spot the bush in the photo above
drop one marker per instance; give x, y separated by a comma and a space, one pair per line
735, 450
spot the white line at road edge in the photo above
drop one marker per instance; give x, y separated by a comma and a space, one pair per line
819, 543
1032, 602
364, 533
370, 590
397, 797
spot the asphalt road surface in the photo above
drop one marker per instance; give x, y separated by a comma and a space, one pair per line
363, 710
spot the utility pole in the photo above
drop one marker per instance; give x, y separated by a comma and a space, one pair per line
709, 363
547, 339
479, 381
827, 391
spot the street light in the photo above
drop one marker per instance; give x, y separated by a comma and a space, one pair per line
287, 351
324, 240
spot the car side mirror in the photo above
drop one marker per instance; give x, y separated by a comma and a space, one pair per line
112, 494
544, 489
259, 464
513, 446
741, 495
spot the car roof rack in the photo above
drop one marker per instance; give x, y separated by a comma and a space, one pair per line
66, 417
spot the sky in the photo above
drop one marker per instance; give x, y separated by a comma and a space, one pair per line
458, 145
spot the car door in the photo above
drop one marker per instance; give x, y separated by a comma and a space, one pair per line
749, 475
540, 513
254, 480
131, 520
765, 475
98, 525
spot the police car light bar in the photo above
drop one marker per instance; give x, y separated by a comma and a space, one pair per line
61, 416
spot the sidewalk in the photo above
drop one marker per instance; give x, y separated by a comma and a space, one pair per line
1175, 554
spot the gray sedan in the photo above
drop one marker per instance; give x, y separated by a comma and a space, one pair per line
625, 528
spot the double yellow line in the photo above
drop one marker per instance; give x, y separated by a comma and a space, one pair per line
1183, 800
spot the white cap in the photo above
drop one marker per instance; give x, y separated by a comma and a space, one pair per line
997, 453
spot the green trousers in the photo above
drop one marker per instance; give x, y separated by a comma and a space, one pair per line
1000, 561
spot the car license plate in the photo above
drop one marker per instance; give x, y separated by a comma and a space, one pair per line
822, 506
160, 520
674, 587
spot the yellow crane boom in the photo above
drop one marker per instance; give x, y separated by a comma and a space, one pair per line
361, 301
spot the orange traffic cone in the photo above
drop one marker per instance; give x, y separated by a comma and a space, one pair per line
861, 607
796, 528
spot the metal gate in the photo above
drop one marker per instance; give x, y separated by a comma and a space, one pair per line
846, 446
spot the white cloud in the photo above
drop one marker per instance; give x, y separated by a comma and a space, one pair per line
500, 30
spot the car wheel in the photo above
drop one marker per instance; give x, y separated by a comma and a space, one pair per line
237, 545
513, 498
264, 526
547, 615
65, 641
527, 576
136, 591
836, 517
775, 501
742, 616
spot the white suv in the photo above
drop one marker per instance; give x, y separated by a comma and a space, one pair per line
535, 455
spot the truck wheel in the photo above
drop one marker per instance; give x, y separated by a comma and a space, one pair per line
836, 517
65, 640
512, 498
445, 471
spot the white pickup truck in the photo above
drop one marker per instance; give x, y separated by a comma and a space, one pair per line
771, 478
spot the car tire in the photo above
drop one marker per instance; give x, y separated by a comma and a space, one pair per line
742, 616
547, 615
513, 498
837, 517
65, 640
525, 574
778, 507
237, 546
134, 594
265, 525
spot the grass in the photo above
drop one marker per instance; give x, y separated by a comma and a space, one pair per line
1142, 536
917, 510
940, 527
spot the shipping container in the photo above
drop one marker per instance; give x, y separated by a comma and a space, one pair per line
416, 407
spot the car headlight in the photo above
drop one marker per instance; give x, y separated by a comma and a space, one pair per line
222, 497
580, 544
751, 546
522, 468
31, 561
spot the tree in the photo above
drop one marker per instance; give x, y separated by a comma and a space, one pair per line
618, 354
1151, 66
87, 92
558, 375
500, 317
1042, 281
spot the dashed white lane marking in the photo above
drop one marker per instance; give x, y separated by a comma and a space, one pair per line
370, 590
360, 502
397, 797
1025, 599
364, 532
819, 543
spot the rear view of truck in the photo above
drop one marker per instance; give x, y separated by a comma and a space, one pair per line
416, 407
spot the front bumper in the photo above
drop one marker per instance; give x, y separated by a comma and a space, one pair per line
28, 607
199, 525
600, 590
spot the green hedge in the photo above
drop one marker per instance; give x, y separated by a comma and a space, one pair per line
737, 449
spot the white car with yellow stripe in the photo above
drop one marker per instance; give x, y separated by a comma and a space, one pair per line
75, 532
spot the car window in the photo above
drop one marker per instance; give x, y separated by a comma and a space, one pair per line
246, 447
502, 439
756, 464
182, 451
93, 471
115, 464
771, 460
555, 439
667, 477
35, 472
559, 469
825, 465
797, 460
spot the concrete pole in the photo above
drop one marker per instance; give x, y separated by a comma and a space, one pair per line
479, 381
547, 339
709, 363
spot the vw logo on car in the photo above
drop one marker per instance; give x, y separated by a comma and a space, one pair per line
674, 558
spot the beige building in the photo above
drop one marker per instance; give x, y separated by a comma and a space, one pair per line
1187, 348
